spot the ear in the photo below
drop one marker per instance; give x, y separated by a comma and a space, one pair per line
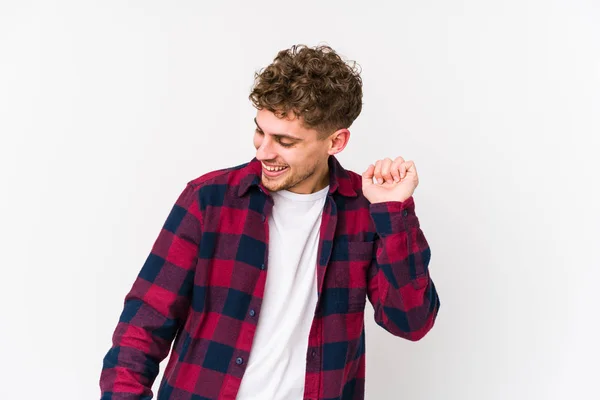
338, 141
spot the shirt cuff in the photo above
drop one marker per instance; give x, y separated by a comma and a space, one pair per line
394, 216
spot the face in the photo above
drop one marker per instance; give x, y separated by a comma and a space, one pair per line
293, 157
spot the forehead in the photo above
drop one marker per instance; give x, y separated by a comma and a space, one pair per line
290, 126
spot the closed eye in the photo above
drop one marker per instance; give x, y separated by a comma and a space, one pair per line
285, 144
279, 139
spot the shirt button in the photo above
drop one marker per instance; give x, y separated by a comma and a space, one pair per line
405, 213
263, 218
314, 353
239, 360
262, 266
252, 313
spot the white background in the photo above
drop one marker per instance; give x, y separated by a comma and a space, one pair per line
108, 108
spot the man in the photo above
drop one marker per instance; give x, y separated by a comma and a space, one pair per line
261, 272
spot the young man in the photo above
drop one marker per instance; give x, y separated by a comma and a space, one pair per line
261, 272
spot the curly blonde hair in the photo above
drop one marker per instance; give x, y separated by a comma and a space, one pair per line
315, 84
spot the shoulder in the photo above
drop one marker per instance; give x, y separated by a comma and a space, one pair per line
351, 184
222, 186
355, 180
220, 176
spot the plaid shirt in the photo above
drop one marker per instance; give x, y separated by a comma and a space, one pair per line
203, 282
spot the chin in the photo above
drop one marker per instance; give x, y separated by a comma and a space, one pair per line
269, 184
274, 185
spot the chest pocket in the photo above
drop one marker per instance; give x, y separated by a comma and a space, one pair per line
349, 268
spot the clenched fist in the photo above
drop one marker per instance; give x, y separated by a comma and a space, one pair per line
396, 180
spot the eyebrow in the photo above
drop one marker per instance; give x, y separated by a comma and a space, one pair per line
280, 135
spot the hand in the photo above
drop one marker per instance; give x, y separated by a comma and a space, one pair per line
396, 180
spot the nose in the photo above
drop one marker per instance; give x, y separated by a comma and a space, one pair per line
264, 149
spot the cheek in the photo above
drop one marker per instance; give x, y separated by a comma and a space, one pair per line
311, 155
291, 157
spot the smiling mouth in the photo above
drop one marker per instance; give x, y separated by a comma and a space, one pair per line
273, 171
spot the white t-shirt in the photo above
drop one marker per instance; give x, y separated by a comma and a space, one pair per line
276, 367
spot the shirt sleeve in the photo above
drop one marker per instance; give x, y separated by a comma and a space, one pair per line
156, 305
400, 288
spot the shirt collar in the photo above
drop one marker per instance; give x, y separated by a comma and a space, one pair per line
339, 178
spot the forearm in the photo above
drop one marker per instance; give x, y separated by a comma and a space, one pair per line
156, 306
402, 292
140, 342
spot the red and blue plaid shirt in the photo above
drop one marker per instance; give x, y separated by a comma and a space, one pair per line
202, 286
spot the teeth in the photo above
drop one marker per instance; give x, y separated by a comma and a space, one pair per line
274, 169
